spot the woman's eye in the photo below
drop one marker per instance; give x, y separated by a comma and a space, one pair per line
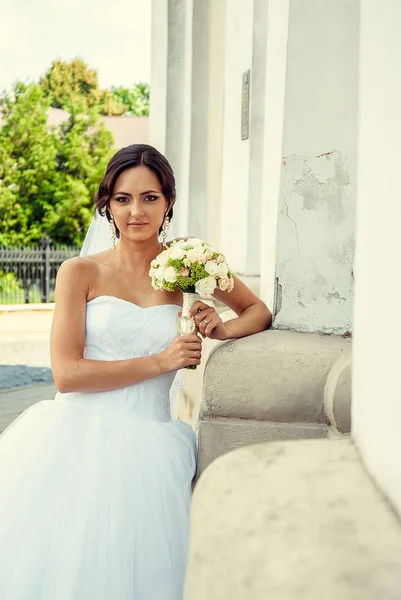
151, 198
122, 199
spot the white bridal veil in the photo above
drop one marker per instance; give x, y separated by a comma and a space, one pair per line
98, 239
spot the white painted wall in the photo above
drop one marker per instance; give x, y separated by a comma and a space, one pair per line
158, 78
315, 241
215, 111
235, 165
376, 406
276, 65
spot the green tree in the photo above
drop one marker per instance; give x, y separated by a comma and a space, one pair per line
128, 101
48, 176
84, 147
27, 164
68, 83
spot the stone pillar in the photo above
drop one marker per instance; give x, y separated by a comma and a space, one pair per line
170, 110
241, 193
376, 378
158, 83
215, 107
314, 243
197, 183
276, 65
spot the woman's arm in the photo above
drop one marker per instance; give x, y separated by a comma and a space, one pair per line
74, 373
253, 314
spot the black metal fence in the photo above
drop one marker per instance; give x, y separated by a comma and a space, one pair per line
28, 275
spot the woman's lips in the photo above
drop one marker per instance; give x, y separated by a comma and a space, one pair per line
137, 225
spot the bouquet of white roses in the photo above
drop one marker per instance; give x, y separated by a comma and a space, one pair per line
195, 268
192, 266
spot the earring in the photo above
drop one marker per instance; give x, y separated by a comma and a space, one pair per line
165, 226
112, 232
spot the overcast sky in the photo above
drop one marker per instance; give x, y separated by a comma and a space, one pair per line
113, 37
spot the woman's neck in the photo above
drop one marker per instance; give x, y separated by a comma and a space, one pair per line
136, 256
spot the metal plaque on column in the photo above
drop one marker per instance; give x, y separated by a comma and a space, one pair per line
246, 84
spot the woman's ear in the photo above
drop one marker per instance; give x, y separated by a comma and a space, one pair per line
170, 204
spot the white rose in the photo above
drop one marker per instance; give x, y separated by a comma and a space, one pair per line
188, 242
222, 270
156, 285
206, 286
196, 255
170, 275
224, 284
163, 257
211, 267
159, 273
195, 242
177, 253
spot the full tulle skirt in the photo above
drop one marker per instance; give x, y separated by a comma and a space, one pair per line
94, 505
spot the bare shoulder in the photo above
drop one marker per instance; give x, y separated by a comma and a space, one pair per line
75, 275
75, 267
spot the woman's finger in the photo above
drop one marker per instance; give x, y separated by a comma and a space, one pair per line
210, 326
204, 316
197, 307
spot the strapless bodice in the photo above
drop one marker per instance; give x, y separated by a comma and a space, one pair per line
117, 330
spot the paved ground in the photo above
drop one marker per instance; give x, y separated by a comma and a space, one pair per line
24, 362
14, 402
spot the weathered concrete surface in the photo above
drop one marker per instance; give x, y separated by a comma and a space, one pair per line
337, 393
292, 520
271, 376
316, 249
220, 436
271, 386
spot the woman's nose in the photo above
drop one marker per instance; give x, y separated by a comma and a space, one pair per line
136, 207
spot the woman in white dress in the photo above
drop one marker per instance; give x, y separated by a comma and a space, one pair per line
95, 486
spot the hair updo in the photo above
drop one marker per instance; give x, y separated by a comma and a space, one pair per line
136, 155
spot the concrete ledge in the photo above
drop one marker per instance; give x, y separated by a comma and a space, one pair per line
219, 436
337, 395
292, 520
275, 376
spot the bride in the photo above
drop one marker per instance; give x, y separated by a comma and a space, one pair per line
95, 486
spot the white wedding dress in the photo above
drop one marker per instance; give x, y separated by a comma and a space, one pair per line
95, 487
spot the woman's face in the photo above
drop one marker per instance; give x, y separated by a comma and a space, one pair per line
137, 204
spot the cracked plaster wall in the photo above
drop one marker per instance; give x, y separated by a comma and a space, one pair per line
315, 224
314, 264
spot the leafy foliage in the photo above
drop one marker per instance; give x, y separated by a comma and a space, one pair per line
134, 101
67, 83
48, 177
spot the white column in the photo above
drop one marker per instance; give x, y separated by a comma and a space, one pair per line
315, 222
215, 105
170, 116
377, 324
276, 63
197, 187
235, 165
158, 82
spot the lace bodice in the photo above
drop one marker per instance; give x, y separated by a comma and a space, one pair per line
116, 330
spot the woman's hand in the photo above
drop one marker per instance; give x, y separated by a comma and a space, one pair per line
184, 351
208, 321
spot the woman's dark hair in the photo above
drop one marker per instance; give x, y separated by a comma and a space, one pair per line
135, 156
